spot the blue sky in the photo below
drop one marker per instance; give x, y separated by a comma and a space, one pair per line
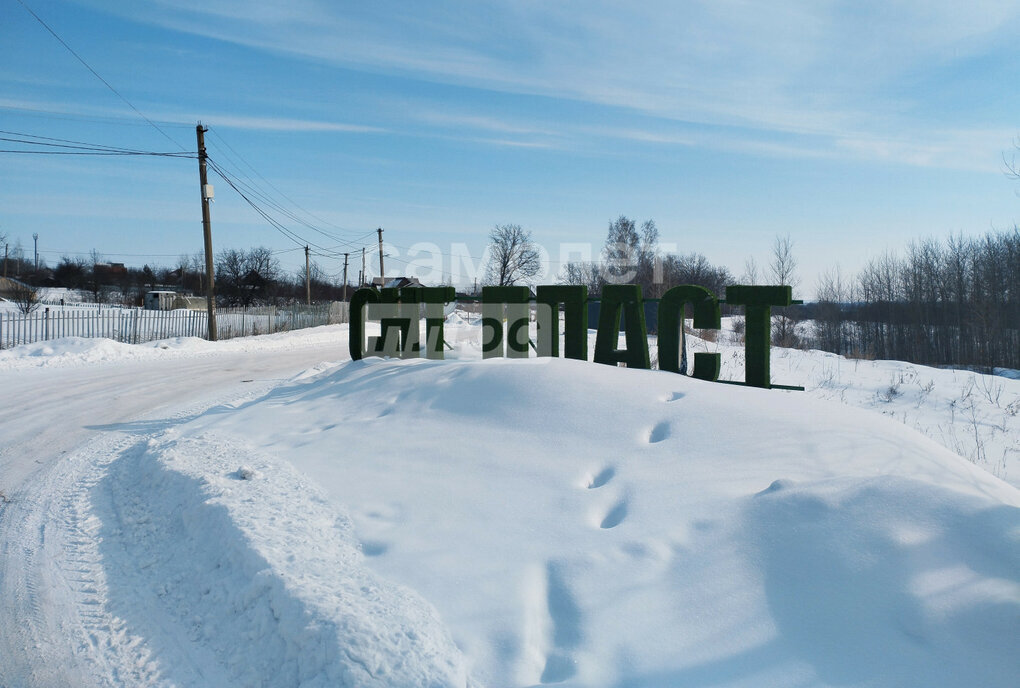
853, 126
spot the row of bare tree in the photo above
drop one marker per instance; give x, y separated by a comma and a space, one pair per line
632, 256
244, 277
955, 302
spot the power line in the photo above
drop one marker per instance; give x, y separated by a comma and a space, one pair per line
288, 198
280, 227
99, 119
254, 191
97, 75
76, 147
246, 192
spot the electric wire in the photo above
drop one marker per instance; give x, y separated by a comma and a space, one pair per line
97, 75
285, 196
77, 147
131, 121
247, 193
255, 192
265, 214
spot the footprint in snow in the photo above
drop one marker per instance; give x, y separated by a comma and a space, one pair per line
615, 516
603, 477
374, 548
660, 432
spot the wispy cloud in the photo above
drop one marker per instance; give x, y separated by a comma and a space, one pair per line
266, 123
285, 124
825, 71
486, 123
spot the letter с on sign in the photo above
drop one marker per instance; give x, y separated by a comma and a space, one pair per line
506, 311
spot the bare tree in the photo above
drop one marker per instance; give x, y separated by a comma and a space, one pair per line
1012, 167
94, 283
694, 268
198, 269
751, 272
587, 273
246, 278
783, 269
24, 296
513, 256
622, 252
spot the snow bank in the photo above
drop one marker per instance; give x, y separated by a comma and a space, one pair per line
79, 351
253, 582
593, 526
890, 581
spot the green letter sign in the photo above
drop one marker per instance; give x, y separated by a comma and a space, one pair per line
671, 321
575, 320
617, 299
758, 302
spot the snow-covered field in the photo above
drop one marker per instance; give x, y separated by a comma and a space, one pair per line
264, 511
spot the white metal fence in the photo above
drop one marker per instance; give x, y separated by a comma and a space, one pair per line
243, 322
134, 325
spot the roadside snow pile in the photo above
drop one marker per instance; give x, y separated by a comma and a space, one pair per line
79, 351
597, 526
257, 581
65, 351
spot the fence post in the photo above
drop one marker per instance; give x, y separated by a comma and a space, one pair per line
47, 327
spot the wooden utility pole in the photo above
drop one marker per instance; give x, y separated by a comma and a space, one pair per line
363, 275
382, 272
308, 280
345, 276
207, 194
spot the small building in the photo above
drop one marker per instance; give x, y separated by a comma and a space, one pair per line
157, 300
395, 282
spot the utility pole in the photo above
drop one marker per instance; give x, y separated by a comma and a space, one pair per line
382, 272
207, 194
345, 276
35, 237
308, 280
364, 275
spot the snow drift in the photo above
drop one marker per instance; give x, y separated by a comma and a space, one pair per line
593, 526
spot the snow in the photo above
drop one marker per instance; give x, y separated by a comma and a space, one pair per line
80, 351
502, 523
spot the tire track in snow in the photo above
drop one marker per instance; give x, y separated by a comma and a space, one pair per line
51, 576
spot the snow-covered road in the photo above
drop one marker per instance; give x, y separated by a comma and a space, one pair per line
56, 438
40, 421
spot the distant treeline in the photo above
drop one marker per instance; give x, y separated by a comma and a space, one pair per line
945, 303
244, 277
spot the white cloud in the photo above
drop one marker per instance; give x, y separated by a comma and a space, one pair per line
810, 68
284, 124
